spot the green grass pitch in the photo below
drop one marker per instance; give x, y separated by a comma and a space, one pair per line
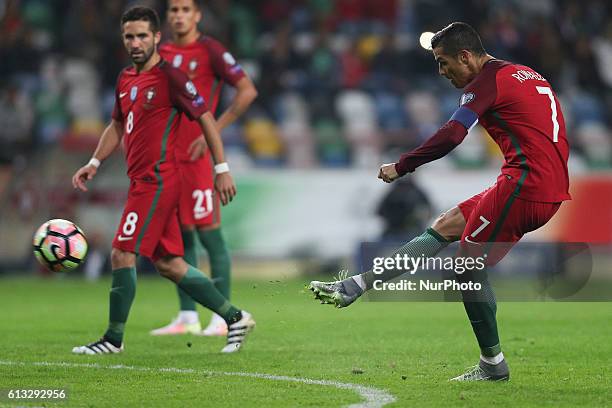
560, 354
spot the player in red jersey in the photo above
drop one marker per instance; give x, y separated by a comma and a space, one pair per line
151, 99
520, 111
209, 65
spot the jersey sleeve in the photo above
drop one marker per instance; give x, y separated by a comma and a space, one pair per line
480, 94
439, 145
184, 95
117, 114
223, 63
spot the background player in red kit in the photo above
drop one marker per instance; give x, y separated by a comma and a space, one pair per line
519, 110
209, 66
151, 98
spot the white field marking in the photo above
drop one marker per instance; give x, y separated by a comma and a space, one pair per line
372, 397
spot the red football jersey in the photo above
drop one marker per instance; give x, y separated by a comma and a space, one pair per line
520, 111
151, 105
209, 65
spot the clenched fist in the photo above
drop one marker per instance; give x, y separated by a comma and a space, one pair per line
387, 173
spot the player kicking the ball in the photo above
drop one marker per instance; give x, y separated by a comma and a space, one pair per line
520, 111
209, 65
151, 99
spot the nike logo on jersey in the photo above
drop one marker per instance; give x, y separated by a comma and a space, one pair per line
122, 238
122, 94
472, 242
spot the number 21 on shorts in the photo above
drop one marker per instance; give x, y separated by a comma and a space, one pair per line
203, 203
129, 227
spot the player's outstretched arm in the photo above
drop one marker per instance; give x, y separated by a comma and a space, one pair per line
448, 136
223, 180
110, 139
439, 145
245, 95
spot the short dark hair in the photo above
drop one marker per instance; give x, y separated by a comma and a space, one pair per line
140, 13
456, 37
196, 4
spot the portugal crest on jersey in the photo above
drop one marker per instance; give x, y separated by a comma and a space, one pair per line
149, 95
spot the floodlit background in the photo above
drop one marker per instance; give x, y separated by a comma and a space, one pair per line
344, 86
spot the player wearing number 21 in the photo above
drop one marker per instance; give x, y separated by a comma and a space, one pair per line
151, 99
210, 66
519, 110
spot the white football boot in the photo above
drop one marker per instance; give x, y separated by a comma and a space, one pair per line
102, 346
237, 332
216, 327
178, 326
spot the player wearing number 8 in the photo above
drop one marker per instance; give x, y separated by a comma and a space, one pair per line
152, 98
521, 113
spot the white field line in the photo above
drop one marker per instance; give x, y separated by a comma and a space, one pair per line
372, 397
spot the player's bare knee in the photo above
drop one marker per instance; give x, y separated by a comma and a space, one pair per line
122, 259
164, 268
450, 224
171, 268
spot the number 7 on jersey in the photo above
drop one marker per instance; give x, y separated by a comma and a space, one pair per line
544, 90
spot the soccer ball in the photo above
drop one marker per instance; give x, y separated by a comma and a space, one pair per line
60, 245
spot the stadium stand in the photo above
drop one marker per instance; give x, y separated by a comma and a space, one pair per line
341, 83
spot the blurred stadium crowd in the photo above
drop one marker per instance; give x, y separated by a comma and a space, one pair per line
340, 82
